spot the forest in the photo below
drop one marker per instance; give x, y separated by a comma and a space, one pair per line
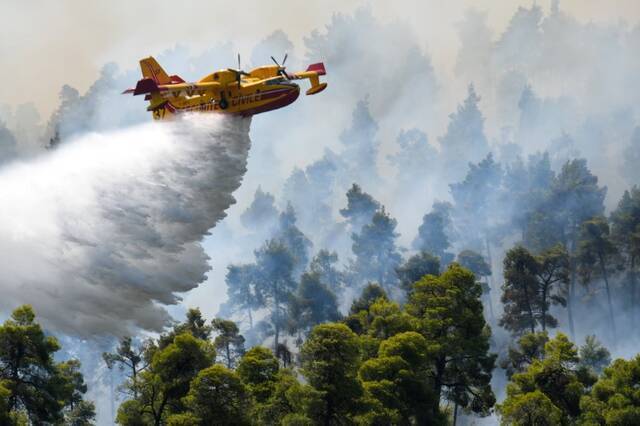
414, 346
486, 276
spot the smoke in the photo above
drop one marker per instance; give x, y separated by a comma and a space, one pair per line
120, 244
101, 234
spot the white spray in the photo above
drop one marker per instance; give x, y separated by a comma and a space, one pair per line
99, 235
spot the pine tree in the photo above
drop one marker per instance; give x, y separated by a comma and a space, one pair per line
526, 187
229, 343
625, 233
242, 291
361, 146
33, 385
360, 208
530, 346
593, 355
161, 388
595, 253
632, 158
521, 292
415, 159
311, 193
312, 304
258, 369
274, 281
530, 106
474, 262
323, 264
129, 356
395, 383
416, 267
432, 234
376, 254
262, 214
532, 284
450, 317
217, 395
369, 295
613, 399
553, 278
330, 362
465, 140
548, 392
475, 199
290, 236
575, 197
195, 325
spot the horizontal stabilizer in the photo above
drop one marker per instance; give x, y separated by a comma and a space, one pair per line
317, 88
175, 79
144, 86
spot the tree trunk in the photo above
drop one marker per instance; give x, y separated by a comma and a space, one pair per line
228, 350
437, 384
490, 278
491, 314
570, 301
276, 302
134, 378
15, 377
532, 320
455, 414
13, 400
572, 283
609, 303
329, 413
250, 319
157, 417
544, 308
488, 248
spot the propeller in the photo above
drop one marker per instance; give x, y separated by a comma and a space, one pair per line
238, 72
281, 68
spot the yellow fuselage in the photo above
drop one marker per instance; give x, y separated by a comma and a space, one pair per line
263, 89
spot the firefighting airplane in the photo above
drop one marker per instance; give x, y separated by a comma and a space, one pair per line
230, 91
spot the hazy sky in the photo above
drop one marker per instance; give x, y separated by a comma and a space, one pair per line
45, 44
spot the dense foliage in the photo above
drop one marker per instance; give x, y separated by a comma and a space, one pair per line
34, 388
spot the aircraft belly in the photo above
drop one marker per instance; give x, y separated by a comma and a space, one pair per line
239, 105
272, 102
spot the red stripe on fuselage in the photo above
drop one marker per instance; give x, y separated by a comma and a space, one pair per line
281, 98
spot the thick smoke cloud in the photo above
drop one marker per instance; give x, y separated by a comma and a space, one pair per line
105, 231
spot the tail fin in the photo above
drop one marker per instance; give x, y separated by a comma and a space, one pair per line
319, 68
152, 69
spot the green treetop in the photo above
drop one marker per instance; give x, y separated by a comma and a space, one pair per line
450, 317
